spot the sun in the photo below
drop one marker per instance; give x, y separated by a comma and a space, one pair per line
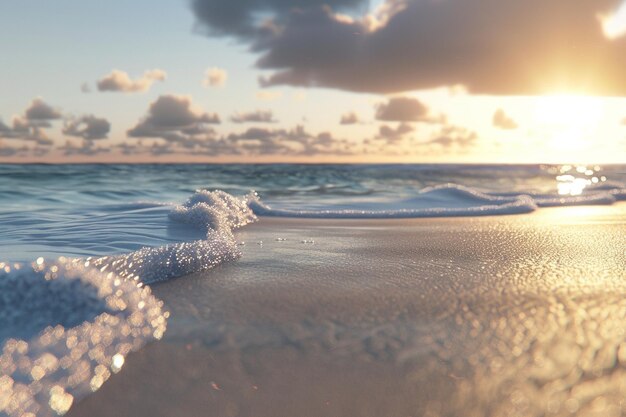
570, 121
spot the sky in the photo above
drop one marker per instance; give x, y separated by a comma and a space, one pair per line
519, 81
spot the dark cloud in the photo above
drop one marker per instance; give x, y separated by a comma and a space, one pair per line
299, 142
120, 81
8, 150
350, 118
40, 111
390, 134
490, 46
402, 109
454, 136
87, 127
426, 138
175, 119
503, 121
129, 148
259, 116
253, 141
24, 129
84, 147
31, 126
241, 18
296, 141
161, 149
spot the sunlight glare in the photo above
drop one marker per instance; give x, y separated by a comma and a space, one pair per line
614, 25
570, 120
573, 180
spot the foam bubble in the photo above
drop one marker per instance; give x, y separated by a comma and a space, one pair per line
215, 212
65, 326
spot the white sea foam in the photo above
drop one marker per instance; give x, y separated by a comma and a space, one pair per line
67, 325
215, 212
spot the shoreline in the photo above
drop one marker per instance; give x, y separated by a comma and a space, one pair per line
502, 315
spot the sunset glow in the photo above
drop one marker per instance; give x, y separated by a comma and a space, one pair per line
312, 88
573, 121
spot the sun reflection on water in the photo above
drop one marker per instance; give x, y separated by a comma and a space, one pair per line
574, 179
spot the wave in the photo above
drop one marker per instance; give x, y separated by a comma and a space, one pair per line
66, 325
448, 200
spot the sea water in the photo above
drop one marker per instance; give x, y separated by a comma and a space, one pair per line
96, 210
80, 244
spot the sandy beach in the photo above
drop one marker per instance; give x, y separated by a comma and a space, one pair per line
486, 316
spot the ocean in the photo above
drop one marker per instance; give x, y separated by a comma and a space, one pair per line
80, 245
96, 210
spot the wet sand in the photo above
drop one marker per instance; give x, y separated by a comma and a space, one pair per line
496, 316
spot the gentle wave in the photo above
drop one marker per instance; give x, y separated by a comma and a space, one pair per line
448, 200
65, 326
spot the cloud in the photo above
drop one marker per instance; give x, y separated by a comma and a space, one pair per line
427, 140
259, 116
120, 81
296, 141
253, 141
84, 147
31, 126
299, 142
87, 127
350, 118
454, 136
23, 129
85, 88
491, 47
402, 109
240, 18
215, 77
175, 119
39, 116
502, 121
128, 148
8, 150
391, 134
40, 111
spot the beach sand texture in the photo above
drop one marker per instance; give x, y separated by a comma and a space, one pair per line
494, 316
